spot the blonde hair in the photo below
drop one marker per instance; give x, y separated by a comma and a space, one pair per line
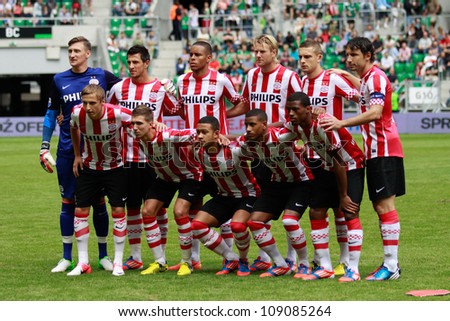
268, 40
94, 89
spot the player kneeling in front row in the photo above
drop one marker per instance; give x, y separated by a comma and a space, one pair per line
338, 183
99, 167
168, 153
289, 189
238, 190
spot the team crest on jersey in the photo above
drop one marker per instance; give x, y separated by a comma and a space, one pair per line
153, 96
93, 81
212, 88
277, 85
112, 127
324, 89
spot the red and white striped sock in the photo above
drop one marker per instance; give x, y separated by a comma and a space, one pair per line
134, 230
226, 233
185, 238
195, 242
296, 237
341, 235
320, 239
120, 234
163, 222
263, 256
390, 232
153, 236
81, 228
241, 238
212, 240
265, 240
355, 240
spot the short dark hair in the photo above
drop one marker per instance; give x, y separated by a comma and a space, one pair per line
86, 43
259, 113
363, 44
204, 44
301, 97
143, 110
210, 120
141, 50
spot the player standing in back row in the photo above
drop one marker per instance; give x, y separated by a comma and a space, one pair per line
267, 87
382, 148
65, 93
140, 89
327, 92
202, 92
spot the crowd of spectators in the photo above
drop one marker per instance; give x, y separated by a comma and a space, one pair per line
420, 52
136, 8
43, 12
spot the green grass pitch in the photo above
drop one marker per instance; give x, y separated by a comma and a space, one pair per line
30, 242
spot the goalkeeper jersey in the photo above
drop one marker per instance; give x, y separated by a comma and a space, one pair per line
65, 93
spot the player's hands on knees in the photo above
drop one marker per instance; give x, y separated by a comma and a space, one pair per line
47, 160
77, 166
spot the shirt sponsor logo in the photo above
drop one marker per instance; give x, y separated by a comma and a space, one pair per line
272, 98
197, 99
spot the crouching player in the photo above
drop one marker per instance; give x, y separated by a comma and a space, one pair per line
288, 191
238, 190
169, 153
339, 182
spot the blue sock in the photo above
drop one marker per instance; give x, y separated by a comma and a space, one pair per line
66, 225
101, 224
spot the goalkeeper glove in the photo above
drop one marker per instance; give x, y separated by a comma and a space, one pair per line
46, 158
169, 87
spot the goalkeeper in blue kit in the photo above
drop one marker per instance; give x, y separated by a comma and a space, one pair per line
65, 93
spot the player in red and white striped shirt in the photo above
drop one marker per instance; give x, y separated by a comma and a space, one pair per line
99, 167
382, 148
327, 92
202, 92
267, 87
338, 184
140, 89
169, 153
289, 189
238, 190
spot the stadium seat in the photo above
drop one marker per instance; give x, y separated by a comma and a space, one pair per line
417, 57
123, 57
411, 75
399, 67
113, 55
116, 71
67, 4
115, 64
129, 27
401, 77
115, 25
410, 67
19, 22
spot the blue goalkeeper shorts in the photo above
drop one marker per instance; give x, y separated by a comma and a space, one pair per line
66, 178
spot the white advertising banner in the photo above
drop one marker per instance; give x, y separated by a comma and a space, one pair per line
408, 123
